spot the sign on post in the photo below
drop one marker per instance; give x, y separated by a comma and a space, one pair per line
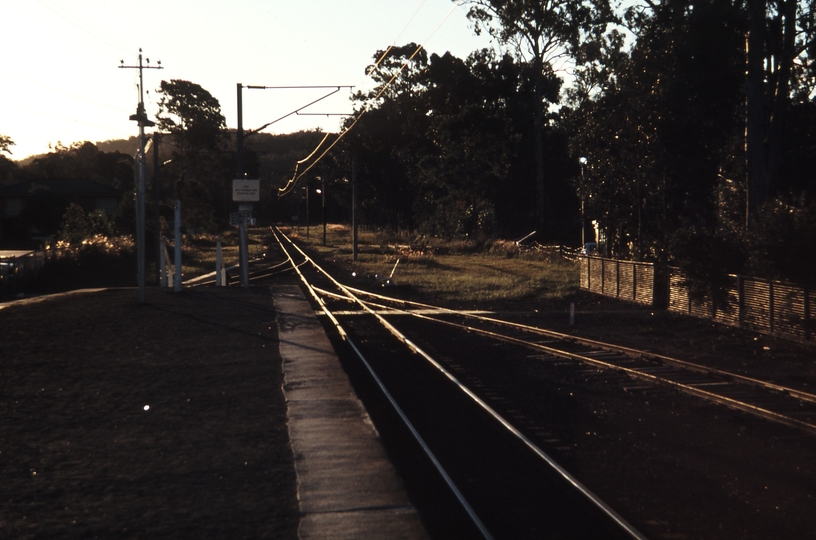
246, 190
240, 218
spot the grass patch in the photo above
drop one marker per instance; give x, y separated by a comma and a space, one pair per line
492, 272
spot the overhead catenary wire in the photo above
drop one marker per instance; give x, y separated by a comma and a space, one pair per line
296, 111
69, 17
292, 183
120, 48
65, 93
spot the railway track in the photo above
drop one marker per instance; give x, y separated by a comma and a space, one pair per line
774, 402
493, 470
764, 399
453, 366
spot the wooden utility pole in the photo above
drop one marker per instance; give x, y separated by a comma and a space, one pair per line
141, 118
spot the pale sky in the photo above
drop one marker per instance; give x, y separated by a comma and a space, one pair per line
61, 80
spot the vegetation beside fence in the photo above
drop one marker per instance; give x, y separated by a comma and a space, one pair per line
770, 307
766, 306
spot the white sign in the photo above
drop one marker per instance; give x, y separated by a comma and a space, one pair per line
246, 190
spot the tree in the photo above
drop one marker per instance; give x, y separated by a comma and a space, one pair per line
665, 127
78, 225
781, 47
543, 31
390, 135
433, 147
782, 242
8, 169
5, 144
193, 119
84, 160
447, 148
192, 115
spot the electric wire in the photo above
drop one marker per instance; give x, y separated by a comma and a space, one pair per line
57, 30
292, 183
287, 115
63, 92
70, 19
67, 120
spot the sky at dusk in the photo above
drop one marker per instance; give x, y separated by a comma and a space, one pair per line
61, 80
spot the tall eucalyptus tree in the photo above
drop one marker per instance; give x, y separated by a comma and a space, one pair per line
545, 33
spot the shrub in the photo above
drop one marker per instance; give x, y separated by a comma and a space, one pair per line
97, 262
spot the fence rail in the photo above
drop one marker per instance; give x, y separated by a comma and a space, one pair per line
626, 280
765, 306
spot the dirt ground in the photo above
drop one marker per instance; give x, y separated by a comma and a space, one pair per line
155, 420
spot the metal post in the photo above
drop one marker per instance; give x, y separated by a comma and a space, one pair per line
354, 205
307, 208
177, 280
156, 197
239, 136
323, 208
243, 257
583, 186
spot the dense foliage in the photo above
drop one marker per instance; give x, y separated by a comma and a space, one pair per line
448, 148
688, 159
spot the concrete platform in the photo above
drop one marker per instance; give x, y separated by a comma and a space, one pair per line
347, 487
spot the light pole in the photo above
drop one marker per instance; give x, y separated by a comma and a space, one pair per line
322, 193
583, 161
307, 208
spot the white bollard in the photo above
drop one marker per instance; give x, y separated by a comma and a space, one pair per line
220, 273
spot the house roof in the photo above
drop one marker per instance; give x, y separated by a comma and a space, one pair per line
61, 186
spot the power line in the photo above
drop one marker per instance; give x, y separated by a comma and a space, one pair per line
69, 94
70, 19
40, 21
296, 111
292, 183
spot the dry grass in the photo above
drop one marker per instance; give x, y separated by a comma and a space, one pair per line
465, 272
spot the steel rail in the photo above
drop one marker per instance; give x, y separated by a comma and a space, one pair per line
254, 275
633, 372
589, 495
635, 353
425, 448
